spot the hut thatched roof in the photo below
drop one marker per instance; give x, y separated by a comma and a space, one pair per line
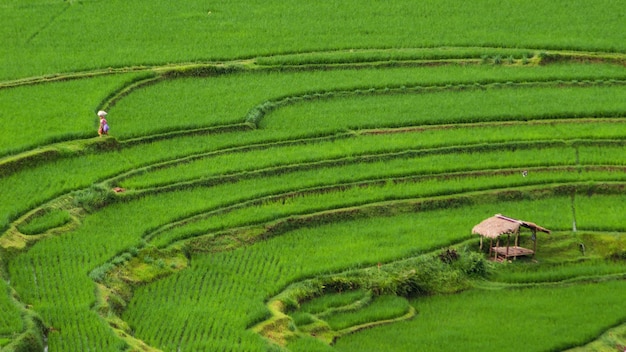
499, 225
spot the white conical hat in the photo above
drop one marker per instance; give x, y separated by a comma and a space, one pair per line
102, 113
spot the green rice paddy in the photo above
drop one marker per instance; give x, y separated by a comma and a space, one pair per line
306, 178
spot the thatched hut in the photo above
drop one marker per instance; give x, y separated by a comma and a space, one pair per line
499, 225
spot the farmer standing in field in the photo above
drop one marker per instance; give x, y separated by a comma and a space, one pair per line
104, 125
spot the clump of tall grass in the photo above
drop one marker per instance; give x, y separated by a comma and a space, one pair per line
98, 274
94, 197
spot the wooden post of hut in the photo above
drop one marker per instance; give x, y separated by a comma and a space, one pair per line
508, 240
516, 242
495, 253
534, 238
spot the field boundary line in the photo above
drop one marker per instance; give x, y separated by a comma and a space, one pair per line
49, 23
251, 62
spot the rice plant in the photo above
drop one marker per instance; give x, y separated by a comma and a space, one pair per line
332, 300
470, 319
197, 32
382, 308
262, 159
11, 319
48, 219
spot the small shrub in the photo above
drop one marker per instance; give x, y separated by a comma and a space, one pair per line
99, 273
121, 258
94, 198
449, 255
473, 264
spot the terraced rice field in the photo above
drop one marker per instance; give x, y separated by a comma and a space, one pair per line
313, 197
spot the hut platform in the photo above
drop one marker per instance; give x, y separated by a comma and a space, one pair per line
513, 251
